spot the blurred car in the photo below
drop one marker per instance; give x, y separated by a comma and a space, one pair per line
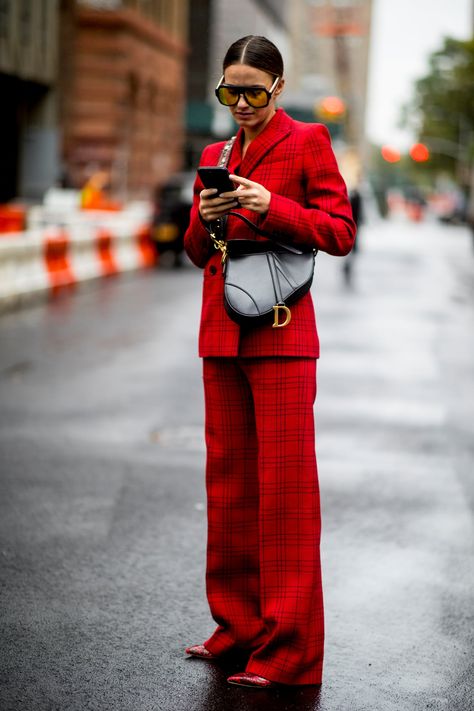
171, 216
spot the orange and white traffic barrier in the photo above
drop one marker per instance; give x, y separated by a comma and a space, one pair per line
22, 271
105, 245
145, 246
57, 259
51, 259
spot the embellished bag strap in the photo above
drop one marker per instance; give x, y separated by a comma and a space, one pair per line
225, 153
217, 228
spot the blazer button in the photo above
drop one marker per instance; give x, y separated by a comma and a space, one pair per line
212, 270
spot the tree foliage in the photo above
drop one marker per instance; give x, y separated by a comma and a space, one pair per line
442, 109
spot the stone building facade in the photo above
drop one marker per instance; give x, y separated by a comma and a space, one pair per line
89, 85
123, 91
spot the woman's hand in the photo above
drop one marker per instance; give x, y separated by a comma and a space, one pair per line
212, 205
250, 195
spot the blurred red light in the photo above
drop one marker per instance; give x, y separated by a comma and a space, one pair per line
390, 154
331, 108
419, 152
333, 105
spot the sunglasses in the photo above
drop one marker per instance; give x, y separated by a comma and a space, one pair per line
255, 96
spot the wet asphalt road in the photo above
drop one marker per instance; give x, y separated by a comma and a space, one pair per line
102, 502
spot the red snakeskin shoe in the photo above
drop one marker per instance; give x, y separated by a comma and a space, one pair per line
252, 680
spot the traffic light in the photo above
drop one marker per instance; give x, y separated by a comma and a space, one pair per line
390, 154
419, 152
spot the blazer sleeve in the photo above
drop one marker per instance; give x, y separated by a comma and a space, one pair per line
197, 242
325, 221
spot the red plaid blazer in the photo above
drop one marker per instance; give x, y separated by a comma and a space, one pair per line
309, 207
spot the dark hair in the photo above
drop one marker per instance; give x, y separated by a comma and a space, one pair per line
257, 52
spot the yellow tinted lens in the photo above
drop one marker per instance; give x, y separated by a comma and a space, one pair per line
228, 97
256, 97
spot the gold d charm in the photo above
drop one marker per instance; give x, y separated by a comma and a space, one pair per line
287, 320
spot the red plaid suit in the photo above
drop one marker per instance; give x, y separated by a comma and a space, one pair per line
263, 570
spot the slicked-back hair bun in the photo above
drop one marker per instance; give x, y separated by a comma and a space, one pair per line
257, 52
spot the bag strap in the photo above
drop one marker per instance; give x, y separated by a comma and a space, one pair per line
225, 152
216, 228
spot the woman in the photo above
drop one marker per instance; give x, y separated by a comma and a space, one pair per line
263, 569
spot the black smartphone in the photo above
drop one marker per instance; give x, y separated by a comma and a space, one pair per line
214, 176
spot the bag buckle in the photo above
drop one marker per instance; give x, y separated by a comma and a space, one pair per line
276, 309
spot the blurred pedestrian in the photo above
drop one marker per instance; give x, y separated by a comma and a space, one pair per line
355, 199
263, 565
95, 192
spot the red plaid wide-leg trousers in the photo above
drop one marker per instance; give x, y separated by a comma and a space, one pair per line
263, 564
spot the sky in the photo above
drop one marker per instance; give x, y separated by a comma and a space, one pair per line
404, 34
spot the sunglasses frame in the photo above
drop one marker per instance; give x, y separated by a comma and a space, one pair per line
242, 89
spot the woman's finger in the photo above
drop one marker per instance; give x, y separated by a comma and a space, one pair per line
244, 182
208, 193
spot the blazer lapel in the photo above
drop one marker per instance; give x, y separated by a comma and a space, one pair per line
276, 131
